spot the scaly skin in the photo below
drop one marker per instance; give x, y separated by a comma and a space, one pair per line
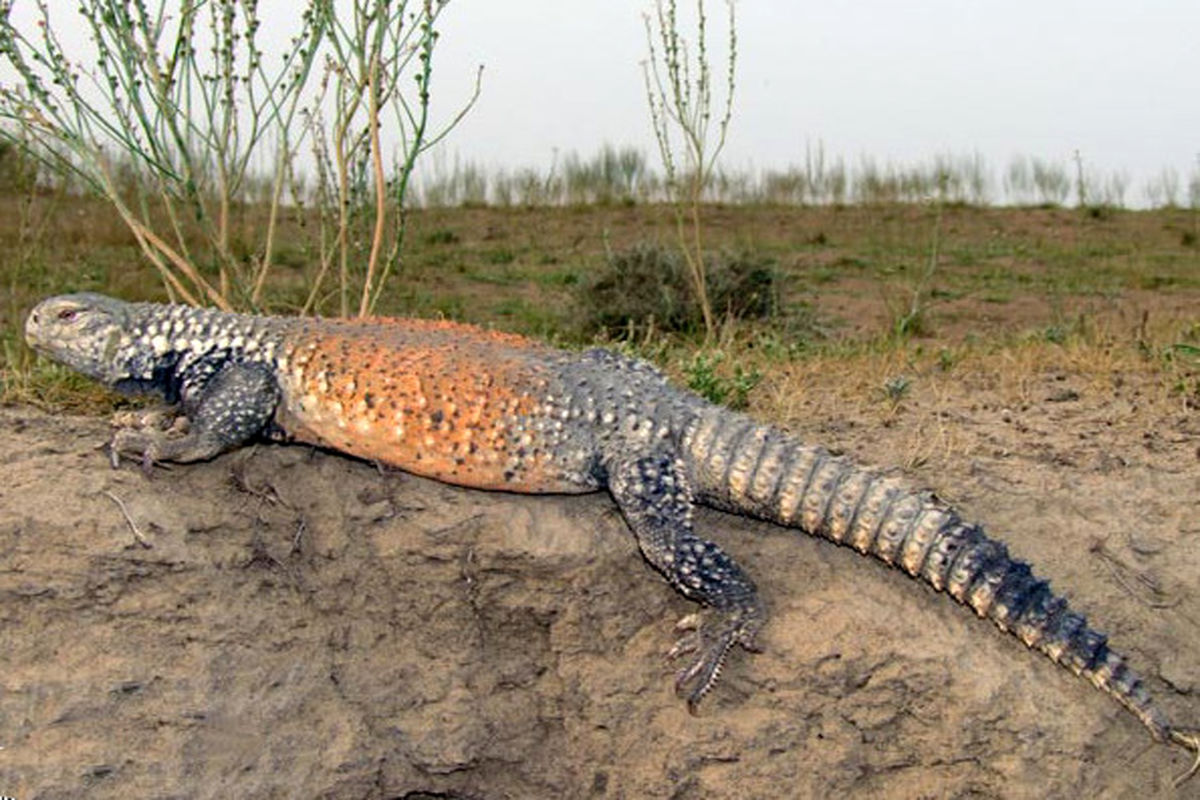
496, 411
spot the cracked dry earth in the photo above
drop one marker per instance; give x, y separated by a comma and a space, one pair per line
299, 624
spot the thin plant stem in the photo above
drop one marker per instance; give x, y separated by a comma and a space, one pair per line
380, 188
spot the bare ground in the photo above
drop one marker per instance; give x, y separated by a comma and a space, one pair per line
299, 624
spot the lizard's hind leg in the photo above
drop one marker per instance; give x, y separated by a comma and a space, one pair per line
654, 496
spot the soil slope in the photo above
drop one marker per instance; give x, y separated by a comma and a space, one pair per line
299, 624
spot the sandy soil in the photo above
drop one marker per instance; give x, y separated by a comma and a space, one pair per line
299, 624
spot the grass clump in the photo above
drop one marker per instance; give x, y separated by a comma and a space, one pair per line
37, 382
650, 288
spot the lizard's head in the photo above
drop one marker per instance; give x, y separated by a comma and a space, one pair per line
82, 331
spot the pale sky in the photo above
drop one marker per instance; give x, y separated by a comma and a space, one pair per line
1117, 80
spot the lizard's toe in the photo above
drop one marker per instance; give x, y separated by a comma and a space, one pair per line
688, 643
698, 678
710, 637
136, 445
121, 445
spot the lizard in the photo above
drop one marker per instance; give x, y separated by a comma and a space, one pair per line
491, 410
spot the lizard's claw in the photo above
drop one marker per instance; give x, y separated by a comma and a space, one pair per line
710, 637
134, 444
1190, 741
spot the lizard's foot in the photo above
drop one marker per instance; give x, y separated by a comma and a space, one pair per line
1190, 741
138, 444
141, 434
710, 636
152, 447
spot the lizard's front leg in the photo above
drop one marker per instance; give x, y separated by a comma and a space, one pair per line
656, 500
232, 407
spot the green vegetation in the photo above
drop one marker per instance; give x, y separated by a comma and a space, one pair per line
818, 285
703, 377
176, 116
171, 163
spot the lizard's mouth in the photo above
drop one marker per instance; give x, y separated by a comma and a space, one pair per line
34, 329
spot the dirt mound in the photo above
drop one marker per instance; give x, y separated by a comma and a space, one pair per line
298, 624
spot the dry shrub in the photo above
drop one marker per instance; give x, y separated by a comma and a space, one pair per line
649, 287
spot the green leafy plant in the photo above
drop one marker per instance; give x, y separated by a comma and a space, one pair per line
704, 378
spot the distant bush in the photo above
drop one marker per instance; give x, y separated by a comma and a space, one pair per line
649, 286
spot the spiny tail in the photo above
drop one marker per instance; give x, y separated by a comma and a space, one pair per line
753, 469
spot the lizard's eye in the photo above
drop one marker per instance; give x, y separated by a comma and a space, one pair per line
67, 314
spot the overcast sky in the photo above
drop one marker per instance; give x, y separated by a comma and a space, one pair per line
1115, 79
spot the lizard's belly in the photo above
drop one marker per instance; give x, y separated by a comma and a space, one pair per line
462, 429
